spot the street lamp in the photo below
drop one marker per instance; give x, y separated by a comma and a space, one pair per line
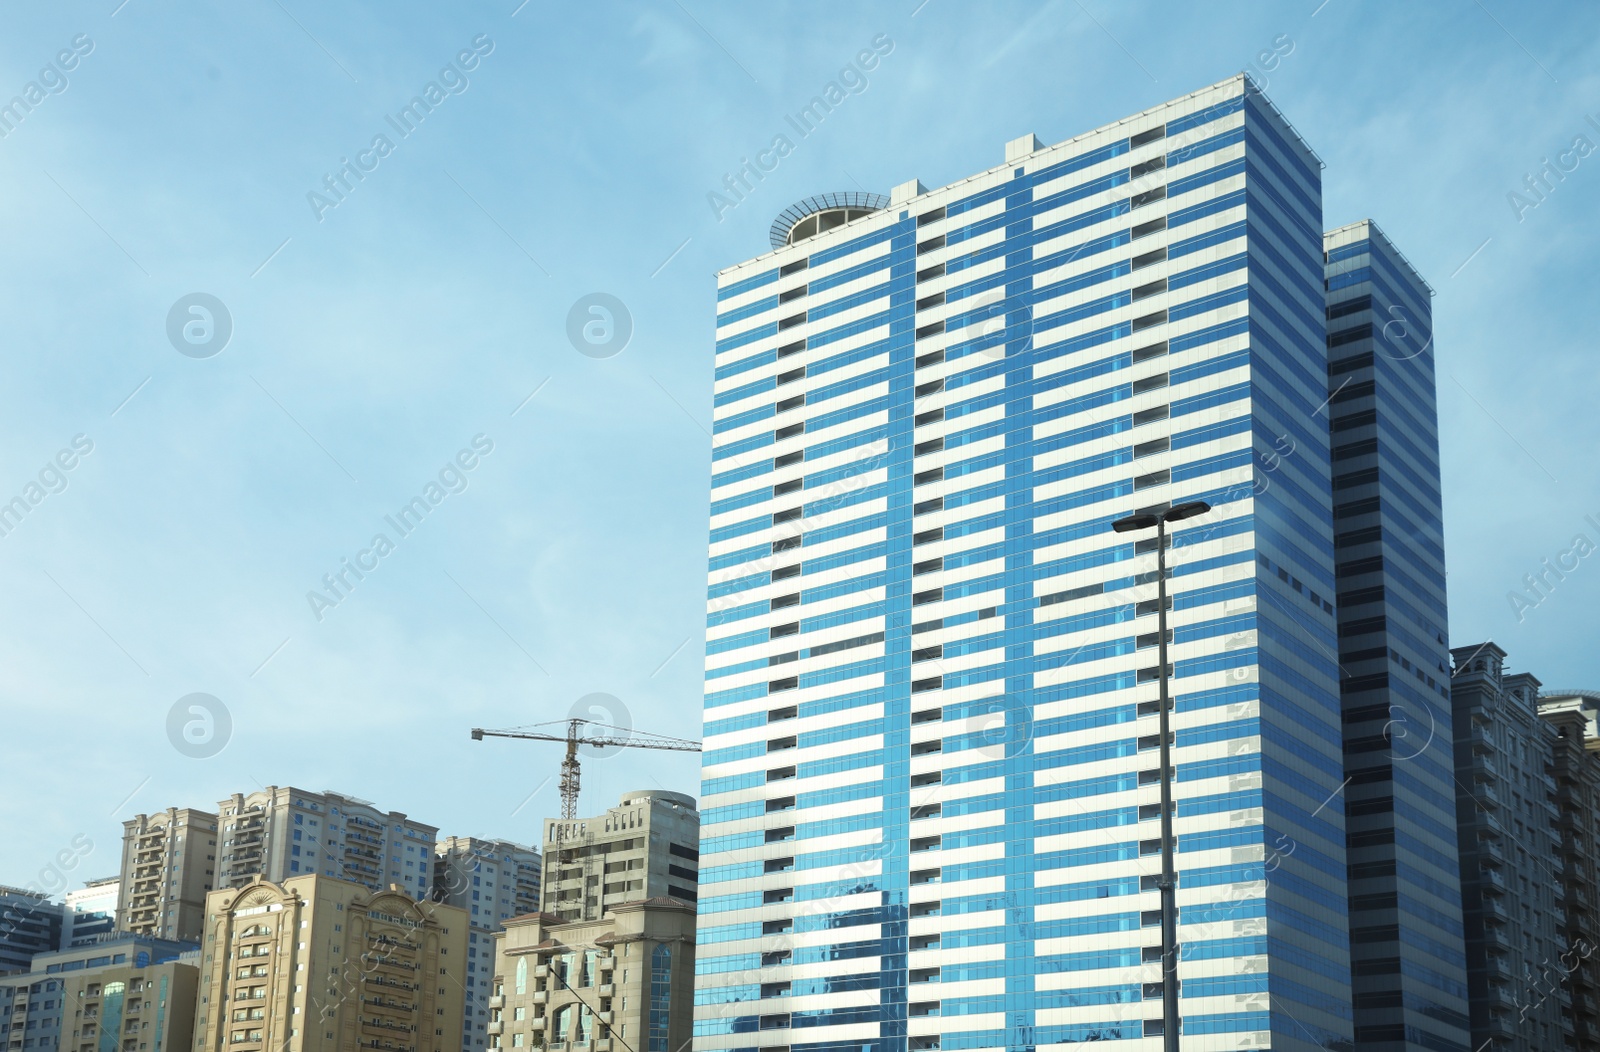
1169, 879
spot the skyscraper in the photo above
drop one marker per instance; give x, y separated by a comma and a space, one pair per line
931, 793
1407, 953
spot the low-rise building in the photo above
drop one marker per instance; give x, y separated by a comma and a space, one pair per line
123, 994
29, 924
90, 912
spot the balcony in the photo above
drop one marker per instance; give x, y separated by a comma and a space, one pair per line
496, 1028
539, 997
537, 1023
497, 1001
607, 990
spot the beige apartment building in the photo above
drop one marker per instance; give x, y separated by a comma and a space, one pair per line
645, 847
624, 983
282, 832
169, 863
316, 964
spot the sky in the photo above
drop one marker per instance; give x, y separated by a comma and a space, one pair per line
221, 368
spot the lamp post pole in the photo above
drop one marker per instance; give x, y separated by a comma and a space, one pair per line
1169, 870
1168, 881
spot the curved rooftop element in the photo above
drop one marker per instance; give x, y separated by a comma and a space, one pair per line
642, 795
821, 213
1570, 692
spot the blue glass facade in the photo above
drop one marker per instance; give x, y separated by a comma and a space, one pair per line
930, 787
1407, 945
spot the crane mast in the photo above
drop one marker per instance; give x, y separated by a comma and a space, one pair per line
578, 732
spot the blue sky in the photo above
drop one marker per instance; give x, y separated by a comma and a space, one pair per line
372, 342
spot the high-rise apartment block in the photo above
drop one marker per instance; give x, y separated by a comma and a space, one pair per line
1575, 714
1511, 856
282, 832
645, 847
1406, 943
493, 880
123, 994
931, 787
169, 862
316, 964
1528, 804
622, 983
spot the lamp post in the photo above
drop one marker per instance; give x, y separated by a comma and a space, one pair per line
1169, 878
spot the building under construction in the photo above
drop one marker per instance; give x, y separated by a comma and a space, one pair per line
645, 847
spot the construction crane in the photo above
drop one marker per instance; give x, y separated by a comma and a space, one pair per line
603, 735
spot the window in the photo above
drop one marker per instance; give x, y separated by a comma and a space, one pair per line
1150, 289
1151, 227
1156, 445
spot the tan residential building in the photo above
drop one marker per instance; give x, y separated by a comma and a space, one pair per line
169, 863
316, 964
645, 847
624, 983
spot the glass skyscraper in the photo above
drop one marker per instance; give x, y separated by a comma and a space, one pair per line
1406, 936
930, 813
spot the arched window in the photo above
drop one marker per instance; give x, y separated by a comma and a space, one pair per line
561, 1023
660, 998
111, 1017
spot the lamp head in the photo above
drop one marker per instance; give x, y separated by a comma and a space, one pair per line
1135, 522
1187, 510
